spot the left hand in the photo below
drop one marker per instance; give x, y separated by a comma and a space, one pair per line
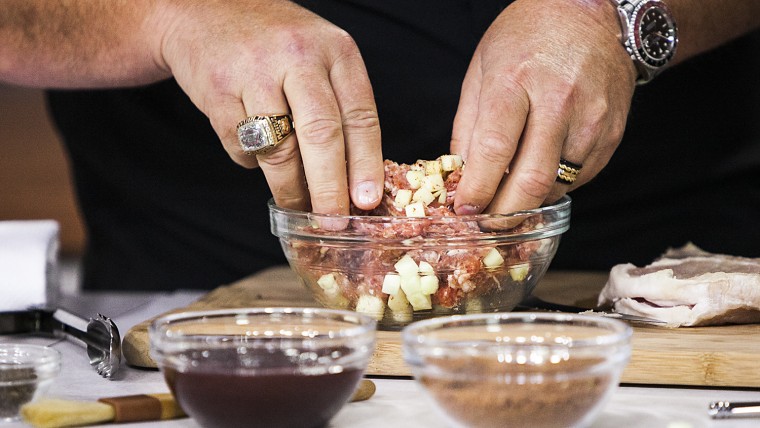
549, 79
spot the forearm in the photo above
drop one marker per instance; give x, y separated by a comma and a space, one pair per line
706, 24
88, 43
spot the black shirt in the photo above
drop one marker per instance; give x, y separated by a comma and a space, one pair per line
165, 207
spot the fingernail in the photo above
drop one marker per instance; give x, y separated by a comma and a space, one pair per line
467, 210
367, 193
332, 223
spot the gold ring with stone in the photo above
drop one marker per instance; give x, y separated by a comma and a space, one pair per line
261, 133
567, 172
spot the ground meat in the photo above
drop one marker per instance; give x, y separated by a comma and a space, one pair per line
449, 297
460, 270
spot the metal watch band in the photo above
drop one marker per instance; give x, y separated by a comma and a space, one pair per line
626, 10
627, 5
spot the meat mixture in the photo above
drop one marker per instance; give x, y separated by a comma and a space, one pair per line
427, 261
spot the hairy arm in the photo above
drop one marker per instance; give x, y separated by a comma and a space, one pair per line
702, 24
69, 43
234, 59
706, 24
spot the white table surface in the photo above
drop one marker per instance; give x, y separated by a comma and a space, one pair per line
397, 402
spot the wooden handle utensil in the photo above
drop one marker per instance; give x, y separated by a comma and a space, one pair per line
53, 413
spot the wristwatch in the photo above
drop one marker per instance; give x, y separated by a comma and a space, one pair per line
650, 35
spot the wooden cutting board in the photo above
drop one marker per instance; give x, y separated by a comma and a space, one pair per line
725, 356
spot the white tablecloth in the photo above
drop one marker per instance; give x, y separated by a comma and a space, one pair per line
397, 402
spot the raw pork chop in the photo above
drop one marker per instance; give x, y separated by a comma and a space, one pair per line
688, 287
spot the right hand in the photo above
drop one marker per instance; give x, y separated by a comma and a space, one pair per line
239, 58
557, 85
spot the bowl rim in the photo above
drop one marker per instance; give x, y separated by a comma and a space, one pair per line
617, 332
287, 224
39, 356
561, 204
358, 324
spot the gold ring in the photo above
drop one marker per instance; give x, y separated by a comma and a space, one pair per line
568, 171
261, 133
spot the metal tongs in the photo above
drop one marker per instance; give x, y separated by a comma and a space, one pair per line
534, 302
99, 334
733, 409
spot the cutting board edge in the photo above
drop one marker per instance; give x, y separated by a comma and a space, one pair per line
712, 365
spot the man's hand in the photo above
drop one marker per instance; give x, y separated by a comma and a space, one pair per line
242, 58
549, 80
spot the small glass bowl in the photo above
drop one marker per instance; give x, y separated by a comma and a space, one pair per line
518, 369
443, 265
273, 367
26, 372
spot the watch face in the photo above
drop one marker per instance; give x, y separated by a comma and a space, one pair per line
655, 34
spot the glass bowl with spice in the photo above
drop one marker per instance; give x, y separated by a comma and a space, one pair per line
273, 367
514, 369
26, 372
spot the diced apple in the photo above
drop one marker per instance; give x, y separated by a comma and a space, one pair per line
399, 303
371, 305
442, 197
391, 284
423, 195
415, 209
428, 284
493, 259
451, 162
433, 167
403, 197
414, 177
401, 310
406, 266
328, 283
434, 183
426, 268
411, 284
519, 272
331, 291
419, 301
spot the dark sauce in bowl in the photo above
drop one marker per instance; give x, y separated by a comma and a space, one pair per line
229, 398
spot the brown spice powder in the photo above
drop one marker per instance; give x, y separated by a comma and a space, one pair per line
558, 401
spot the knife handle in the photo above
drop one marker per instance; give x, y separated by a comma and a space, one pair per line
144, 407
55, 413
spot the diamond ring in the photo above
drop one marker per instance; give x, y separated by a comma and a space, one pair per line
568, 171
261, 133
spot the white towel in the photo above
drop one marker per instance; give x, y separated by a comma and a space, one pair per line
28, 264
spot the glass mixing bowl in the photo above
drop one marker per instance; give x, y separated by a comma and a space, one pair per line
404, 269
